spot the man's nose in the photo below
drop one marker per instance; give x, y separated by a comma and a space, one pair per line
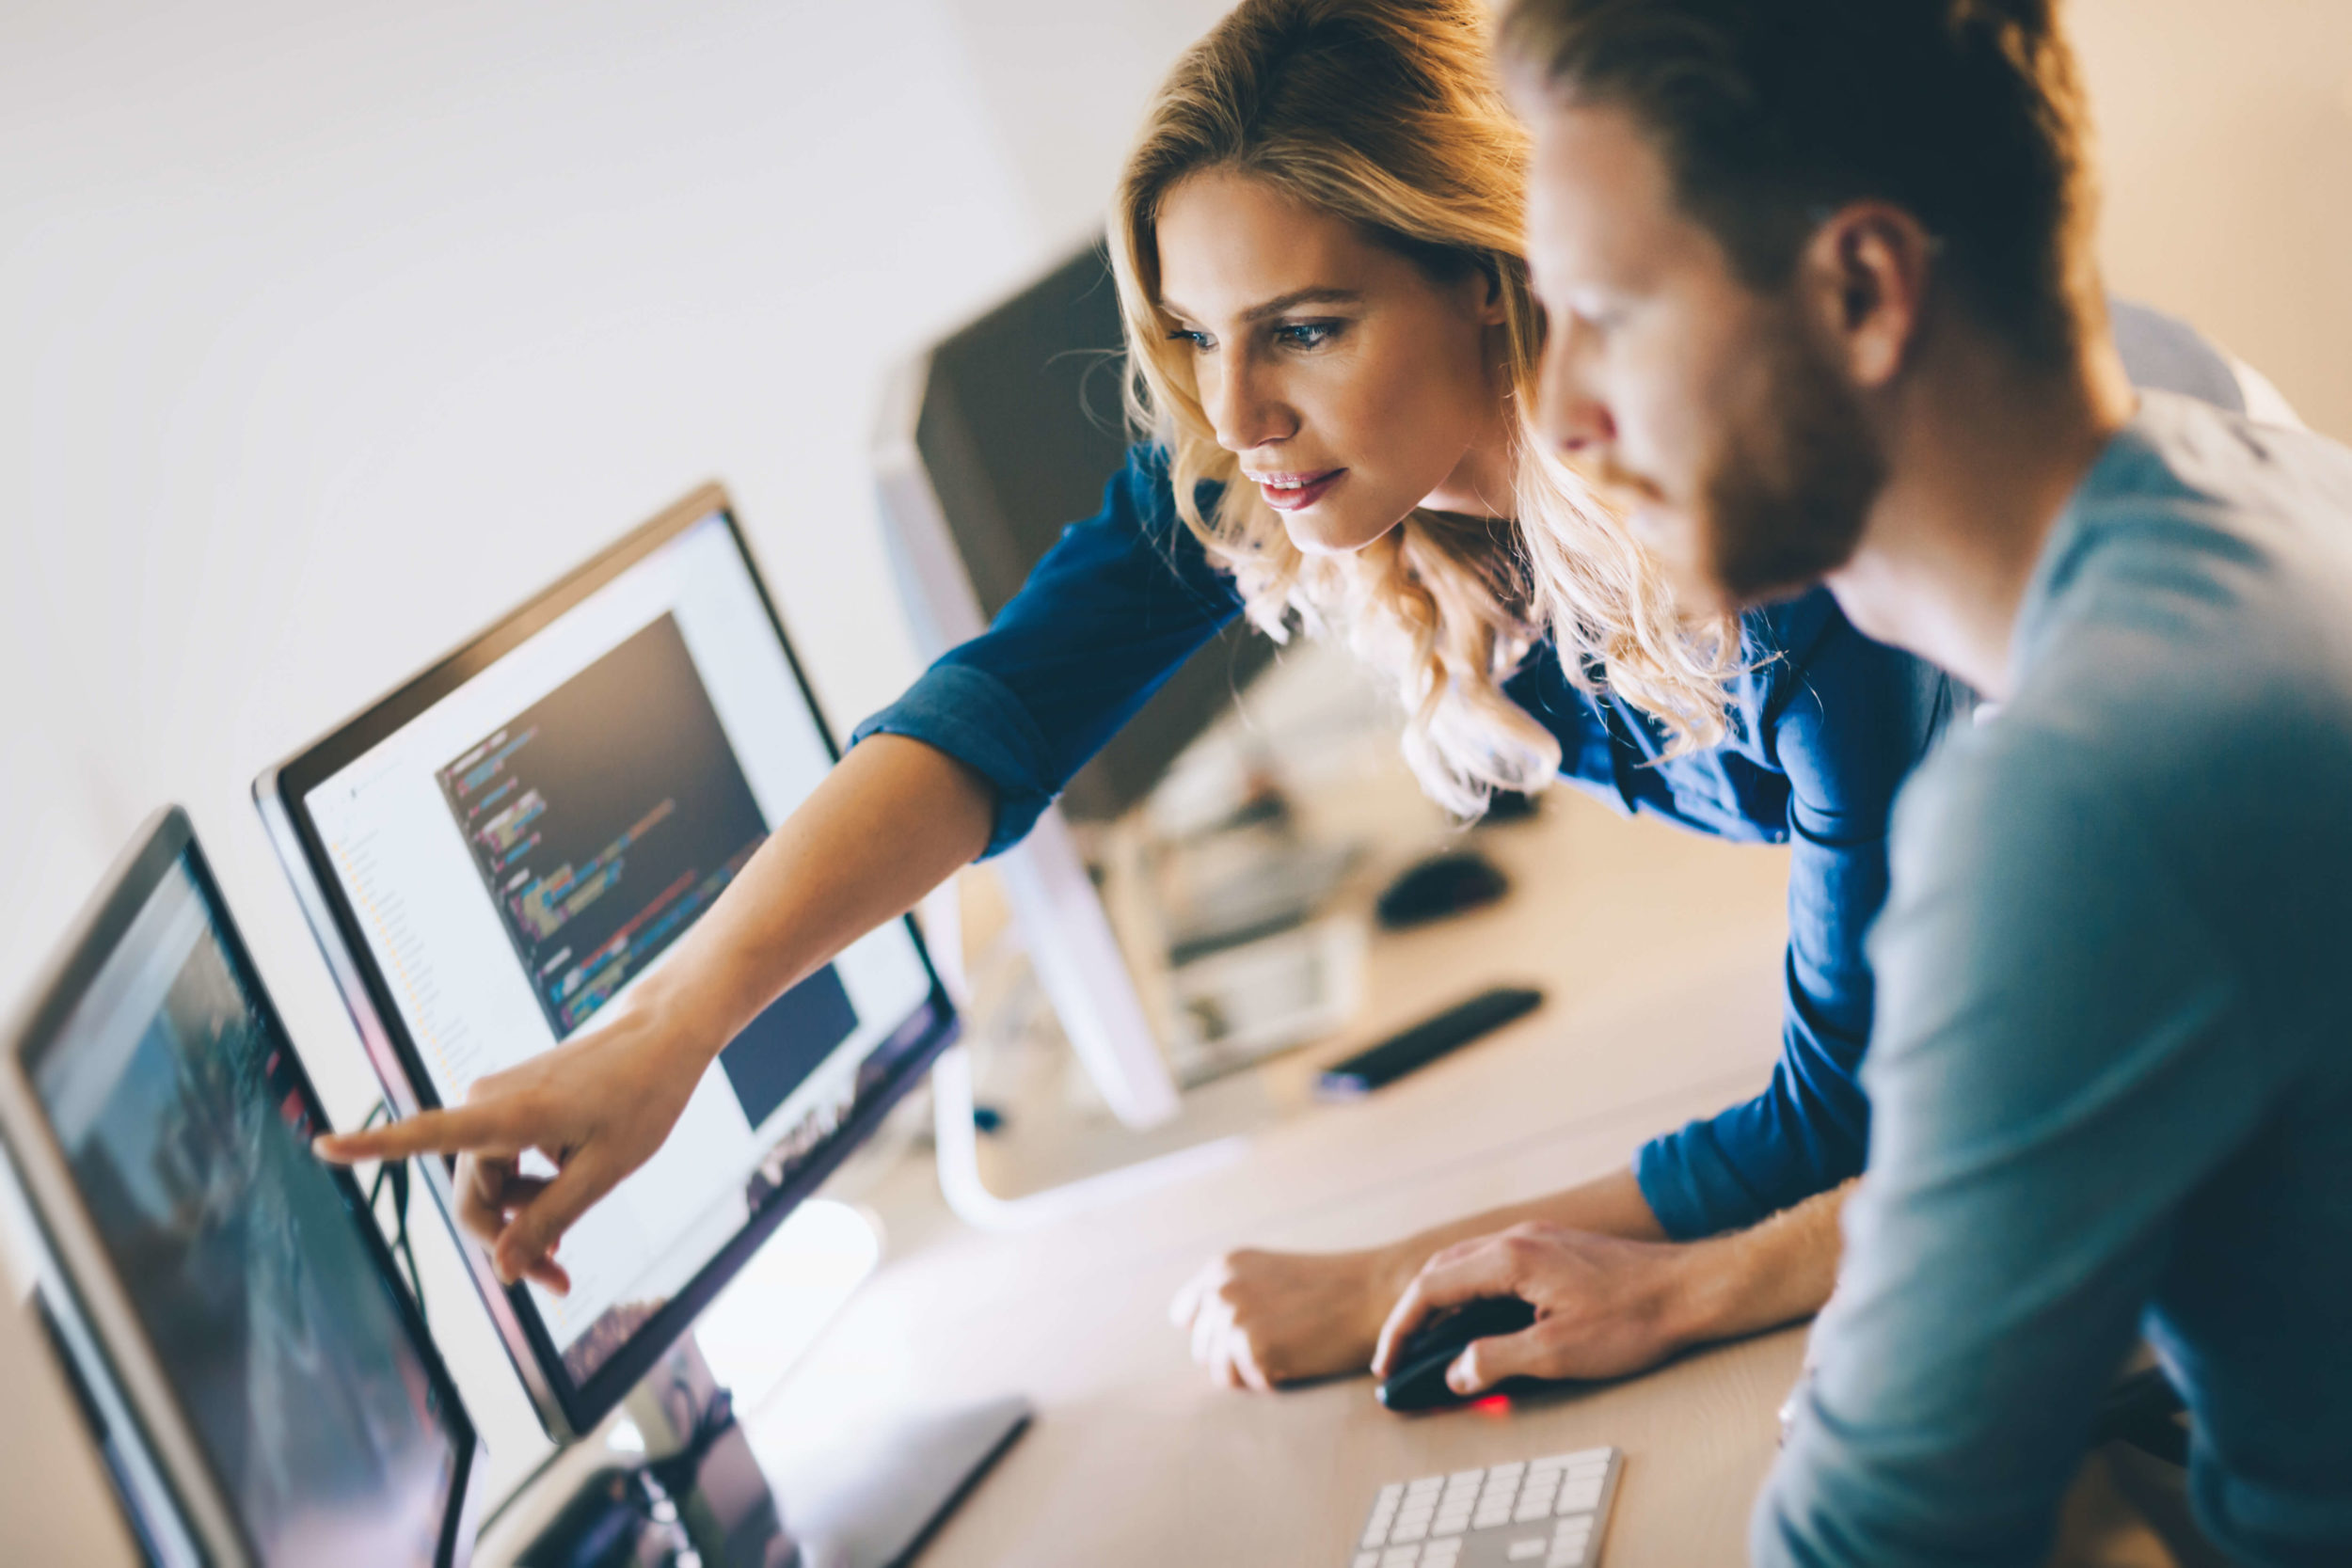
1572, 417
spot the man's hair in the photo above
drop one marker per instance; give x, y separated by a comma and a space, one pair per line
1771, 114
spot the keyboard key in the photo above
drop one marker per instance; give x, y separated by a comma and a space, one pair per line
1580, 1496
1583, 1456
1519, 1513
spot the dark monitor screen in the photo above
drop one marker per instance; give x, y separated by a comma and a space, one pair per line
258, 1281
496, 852
1019, 428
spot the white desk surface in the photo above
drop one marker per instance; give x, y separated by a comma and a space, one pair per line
1661, 953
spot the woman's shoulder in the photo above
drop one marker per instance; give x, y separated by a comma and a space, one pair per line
1845, 717
1147, 482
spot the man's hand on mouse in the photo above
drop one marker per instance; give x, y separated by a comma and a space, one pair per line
1259, 1319
1605, 1307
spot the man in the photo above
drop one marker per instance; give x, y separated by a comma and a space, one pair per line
1728, 1225
1822, 308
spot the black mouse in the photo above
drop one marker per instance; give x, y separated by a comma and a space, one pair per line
1419, 1381
1440, 886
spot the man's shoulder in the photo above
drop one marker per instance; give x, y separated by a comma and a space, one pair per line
2202, 577
2183, 667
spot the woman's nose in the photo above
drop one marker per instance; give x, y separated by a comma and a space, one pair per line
1242, 408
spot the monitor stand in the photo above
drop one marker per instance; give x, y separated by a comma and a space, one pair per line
863, 1505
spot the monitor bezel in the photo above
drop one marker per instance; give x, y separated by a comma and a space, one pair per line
79, 1279
567, 1409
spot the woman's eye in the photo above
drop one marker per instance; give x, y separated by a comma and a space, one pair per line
1185, 335
1306, 334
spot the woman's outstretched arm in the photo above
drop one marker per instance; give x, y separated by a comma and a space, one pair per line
892, 821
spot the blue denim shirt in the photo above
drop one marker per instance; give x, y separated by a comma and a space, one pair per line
1826, 723
2112, 1079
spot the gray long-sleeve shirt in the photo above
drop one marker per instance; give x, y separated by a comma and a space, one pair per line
2112, 1079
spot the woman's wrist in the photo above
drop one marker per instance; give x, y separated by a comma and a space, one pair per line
687, 1015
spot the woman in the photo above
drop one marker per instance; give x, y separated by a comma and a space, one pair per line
1335, 348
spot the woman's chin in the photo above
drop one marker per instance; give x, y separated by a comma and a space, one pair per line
1315, 534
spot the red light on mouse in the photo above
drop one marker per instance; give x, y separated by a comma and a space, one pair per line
1493, 1405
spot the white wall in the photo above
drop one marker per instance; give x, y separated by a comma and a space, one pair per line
329, 328
332, 331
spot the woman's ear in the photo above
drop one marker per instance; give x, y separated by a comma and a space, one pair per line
1495, 311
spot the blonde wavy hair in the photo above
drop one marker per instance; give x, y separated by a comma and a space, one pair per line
1384, 113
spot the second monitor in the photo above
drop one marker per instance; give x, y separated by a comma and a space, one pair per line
491, 855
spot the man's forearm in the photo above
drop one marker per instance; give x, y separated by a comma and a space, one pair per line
1743, 1282
1774, 1273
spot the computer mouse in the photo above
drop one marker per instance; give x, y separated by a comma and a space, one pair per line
1440, 886
1419, 1381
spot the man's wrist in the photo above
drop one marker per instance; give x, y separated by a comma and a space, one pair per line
1706, 1283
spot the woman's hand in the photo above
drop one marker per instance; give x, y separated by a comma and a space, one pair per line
596, 1106
1605, 1307
1262, 1318
891, 822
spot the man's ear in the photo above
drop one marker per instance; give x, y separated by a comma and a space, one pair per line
1863, 280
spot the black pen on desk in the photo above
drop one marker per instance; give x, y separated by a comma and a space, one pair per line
1425, 1042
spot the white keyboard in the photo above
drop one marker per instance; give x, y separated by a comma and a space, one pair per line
1535, 1513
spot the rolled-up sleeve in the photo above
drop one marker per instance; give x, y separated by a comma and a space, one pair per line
1845, 720
1113, 610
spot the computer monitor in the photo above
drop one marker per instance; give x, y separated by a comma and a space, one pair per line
991, 442
1014, 423
267, 1389
493, 853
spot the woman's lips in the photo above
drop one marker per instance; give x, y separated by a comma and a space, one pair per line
1294, 492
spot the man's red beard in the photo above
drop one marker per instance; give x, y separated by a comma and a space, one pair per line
1781, 499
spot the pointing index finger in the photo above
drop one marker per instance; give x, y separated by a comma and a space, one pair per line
467, 1130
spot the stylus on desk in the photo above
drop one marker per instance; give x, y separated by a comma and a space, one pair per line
1424, 1042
